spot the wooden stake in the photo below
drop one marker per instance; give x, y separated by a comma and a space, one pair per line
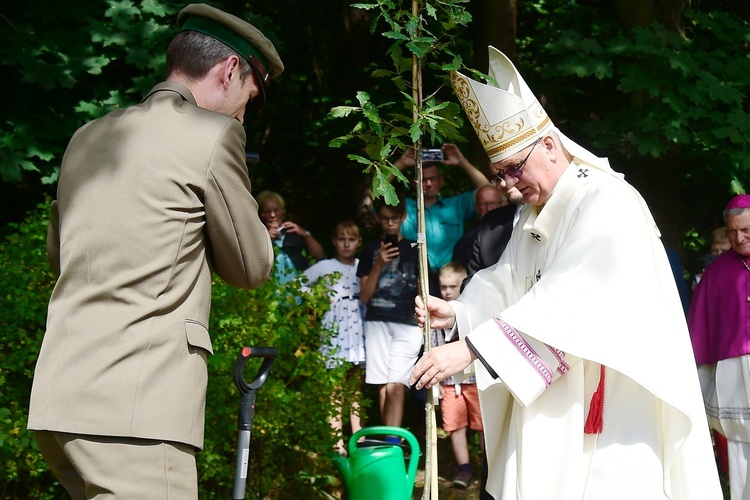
430, 491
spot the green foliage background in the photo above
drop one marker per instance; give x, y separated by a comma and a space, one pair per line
25, 287
672, 113
292, 440
291, 437
423, 42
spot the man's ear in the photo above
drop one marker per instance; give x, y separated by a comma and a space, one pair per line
551, 147
230, 70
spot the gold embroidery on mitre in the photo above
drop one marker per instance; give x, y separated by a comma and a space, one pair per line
539, 115
497, 137
466, 95
504, 146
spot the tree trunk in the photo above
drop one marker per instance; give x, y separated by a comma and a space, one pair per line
659, 180
494, 23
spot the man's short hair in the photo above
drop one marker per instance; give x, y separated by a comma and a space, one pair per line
192, 55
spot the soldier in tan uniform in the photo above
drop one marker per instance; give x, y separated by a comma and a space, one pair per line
151, 200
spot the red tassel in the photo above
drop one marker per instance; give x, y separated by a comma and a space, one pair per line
595, 420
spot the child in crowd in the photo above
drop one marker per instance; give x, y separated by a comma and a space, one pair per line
388, 270
346, 314
459, 400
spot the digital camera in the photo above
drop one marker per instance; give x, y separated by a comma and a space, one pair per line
432, 155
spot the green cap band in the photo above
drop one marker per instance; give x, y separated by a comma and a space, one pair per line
227, 36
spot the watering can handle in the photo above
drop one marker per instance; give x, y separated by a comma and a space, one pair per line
384, 430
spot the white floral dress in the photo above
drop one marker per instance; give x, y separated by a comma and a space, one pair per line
346, 314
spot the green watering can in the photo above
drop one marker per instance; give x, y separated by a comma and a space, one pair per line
377, 469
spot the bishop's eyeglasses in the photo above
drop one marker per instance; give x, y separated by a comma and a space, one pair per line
516, 171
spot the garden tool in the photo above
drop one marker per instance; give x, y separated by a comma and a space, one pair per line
247, 410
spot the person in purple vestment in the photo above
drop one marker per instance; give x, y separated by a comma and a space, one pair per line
719, 322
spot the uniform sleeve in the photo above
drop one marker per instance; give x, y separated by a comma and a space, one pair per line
241, 247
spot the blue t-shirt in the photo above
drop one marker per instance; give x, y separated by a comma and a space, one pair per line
393, 300
444, 224
283, 268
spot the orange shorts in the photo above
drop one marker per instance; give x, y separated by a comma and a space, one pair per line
459, 411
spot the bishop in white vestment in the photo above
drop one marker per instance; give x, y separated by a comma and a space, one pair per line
588, 385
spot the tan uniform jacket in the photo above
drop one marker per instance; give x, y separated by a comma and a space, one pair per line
151, 199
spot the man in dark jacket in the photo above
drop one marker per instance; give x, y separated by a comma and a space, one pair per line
492, 233
486, 199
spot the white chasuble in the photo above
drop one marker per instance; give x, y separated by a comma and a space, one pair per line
585, 282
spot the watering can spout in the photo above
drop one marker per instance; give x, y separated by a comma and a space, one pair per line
342, 464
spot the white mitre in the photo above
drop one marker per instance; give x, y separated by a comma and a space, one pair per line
509, 118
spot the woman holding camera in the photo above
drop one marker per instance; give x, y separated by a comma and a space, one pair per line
295, 244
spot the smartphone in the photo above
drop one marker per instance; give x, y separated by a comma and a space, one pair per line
391, 239
432, 155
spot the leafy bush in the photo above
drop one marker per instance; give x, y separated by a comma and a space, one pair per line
25, 286
291, 438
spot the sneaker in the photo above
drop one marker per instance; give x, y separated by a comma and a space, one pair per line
463, 479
